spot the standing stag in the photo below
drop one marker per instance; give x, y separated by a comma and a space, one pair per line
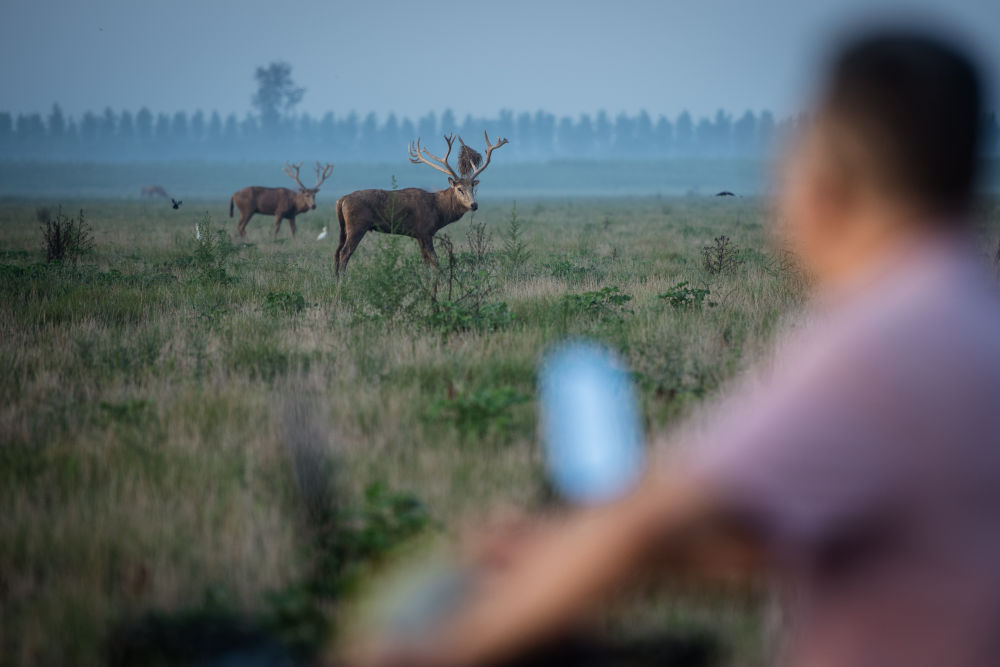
282, 203
413, 211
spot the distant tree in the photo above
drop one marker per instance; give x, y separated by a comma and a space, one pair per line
704, 136
347, 131
109, 126
31, 133
505, 123
407, 132
448, 122
684, 134
722, 133
427, 126
643, 138
664, 136
197, 127
144, 124
126, 126
545, 132
368, 141
57, 123
744, 131
328, 131
584, 136
6, 129
231, 134
307, 130
765, 131
390, 139
602, 133
232, 131
471, 128
249, 128
624, 135
90, 129
126, 132
214, 132
525, 134
162, 130
565, 139
179, 129
276, 96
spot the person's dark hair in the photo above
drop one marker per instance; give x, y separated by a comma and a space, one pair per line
916, 101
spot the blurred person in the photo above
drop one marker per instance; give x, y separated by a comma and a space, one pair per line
859, 471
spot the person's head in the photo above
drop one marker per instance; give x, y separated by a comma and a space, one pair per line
893, 148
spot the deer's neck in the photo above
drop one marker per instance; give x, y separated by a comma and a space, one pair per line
449, 207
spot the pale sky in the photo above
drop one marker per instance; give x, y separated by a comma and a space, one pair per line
410, 57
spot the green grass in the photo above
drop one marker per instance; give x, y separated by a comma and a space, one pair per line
146, 476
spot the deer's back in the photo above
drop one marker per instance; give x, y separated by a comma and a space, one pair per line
263, 199
411, 208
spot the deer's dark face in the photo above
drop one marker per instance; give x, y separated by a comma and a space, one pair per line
465, 192
307, 198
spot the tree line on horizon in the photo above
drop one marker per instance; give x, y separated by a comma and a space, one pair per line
124, 136
276, 132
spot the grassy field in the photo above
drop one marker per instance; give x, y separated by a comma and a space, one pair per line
216, 440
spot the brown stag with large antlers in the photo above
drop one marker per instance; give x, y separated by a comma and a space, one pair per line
282, 203
413, 211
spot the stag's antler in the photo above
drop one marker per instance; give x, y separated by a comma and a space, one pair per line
489, 153
293, 172
322, 173
417, 156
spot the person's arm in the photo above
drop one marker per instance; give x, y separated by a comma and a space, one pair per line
668, 522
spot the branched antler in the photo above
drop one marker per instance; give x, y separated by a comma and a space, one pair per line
293, 172
417, 156
489, 153
322, 173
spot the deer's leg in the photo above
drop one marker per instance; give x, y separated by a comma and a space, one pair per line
350, 245
277, 224
427, 250
291, 223
340, 250
242, 226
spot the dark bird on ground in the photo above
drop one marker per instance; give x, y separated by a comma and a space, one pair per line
725, 193
176, 203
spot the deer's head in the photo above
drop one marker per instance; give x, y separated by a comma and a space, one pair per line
471, 165
307, 196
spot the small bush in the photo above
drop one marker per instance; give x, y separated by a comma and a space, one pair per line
283, 303
608, 303
515, 253
721, 257
451, 317
683, 297
66, 238
565, 269
213, 248
478, 412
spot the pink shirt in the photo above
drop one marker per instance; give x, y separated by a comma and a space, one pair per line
870, 462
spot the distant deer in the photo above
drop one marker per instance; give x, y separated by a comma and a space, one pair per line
413, 211
282, 203
176, 203
154, 191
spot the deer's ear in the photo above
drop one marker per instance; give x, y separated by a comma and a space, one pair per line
475, 182
451, 181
